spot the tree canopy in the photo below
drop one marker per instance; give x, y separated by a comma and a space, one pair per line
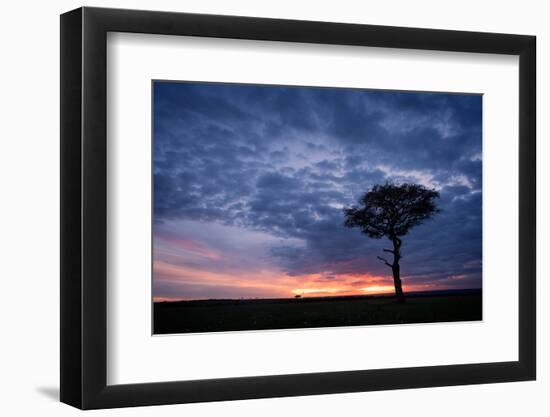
392, 210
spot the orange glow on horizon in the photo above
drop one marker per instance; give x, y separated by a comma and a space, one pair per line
379, 289
268, 284
217, 282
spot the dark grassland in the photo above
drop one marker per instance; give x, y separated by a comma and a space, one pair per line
262, 314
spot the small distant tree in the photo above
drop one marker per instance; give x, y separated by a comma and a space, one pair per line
392, 210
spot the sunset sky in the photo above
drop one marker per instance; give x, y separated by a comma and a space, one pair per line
250, 181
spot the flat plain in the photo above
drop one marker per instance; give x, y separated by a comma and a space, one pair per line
198, 316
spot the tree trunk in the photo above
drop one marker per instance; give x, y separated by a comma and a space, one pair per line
396, 269
397, 283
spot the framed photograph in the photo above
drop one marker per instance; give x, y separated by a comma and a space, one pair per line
259, 208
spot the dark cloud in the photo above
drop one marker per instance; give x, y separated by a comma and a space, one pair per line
285, 160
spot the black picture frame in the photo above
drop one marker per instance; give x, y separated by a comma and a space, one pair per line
84, 208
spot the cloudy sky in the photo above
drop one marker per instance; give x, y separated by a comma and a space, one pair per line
250, 181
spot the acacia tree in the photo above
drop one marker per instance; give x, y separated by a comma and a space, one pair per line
392, 210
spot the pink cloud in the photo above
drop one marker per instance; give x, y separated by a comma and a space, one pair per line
190, 246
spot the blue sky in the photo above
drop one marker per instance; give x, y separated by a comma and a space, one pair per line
250, 181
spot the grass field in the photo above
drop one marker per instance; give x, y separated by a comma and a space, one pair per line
262, 314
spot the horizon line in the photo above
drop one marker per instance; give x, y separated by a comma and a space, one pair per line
385, 294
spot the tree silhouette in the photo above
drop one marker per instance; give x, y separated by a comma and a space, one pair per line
392, 210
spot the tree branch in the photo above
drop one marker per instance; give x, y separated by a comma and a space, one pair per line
388, 250
385, 261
